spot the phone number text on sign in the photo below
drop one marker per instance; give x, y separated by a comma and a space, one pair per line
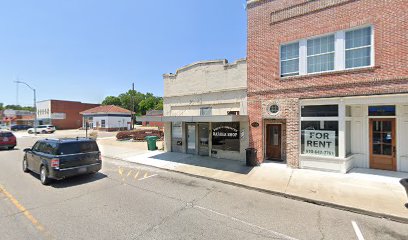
319, 142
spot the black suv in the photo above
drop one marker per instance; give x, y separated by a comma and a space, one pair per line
19, 127
61, 158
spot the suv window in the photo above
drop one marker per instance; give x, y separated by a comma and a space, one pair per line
6, 134
49, 148
77, 147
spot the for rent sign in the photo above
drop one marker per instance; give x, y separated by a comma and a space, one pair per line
320, 142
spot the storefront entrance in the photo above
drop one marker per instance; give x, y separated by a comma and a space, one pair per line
273, 142
191, 138
382, 144
203, 138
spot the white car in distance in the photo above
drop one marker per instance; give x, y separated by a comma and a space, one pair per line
42, 129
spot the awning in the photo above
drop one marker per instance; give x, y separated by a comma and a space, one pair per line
214, 118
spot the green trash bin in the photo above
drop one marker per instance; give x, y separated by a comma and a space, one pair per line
151, 142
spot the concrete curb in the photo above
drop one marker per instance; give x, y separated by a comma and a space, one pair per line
282, 194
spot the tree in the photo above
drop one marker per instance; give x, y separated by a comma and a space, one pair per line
150, 102
18, 107
112, 100
135, 101
1, 106
159, 105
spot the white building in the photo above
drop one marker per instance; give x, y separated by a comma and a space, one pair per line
107, 118
205, 109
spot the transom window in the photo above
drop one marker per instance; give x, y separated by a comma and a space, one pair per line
206, 111
338, 51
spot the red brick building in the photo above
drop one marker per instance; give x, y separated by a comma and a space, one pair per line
152, 113
328, 83
62, 114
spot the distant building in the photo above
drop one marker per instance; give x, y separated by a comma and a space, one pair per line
17, 117
153, 124
62, 114
107, 118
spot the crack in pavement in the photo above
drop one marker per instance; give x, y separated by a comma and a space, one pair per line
163, 221
319, 224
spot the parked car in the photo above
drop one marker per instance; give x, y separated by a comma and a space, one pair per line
42, 129
4, 127
62, 158
7, 140
20, 127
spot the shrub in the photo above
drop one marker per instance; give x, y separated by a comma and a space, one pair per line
93, 135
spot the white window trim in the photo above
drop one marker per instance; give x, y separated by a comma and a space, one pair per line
339, 53
290, 74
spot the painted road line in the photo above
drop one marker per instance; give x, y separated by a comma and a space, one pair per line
26, 213
280, 235
357, 230
146, 177
137, 174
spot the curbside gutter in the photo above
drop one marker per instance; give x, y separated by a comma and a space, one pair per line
280, 194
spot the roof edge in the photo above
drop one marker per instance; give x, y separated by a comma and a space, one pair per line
205, 62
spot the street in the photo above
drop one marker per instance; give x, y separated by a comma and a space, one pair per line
129, 201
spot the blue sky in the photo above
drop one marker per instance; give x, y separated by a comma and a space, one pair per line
86, 50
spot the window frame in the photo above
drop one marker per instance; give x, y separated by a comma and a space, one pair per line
320, 54
339, 52
371, 46
209, 109
291, 74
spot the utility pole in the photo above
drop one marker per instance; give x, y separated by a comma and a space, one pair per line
35, 105
133, 106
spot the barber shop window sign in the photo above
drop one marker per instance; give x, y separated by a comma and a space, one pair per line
321, 143
226, 132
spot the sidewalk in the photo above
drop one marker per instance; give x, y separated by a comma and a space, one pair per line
368, 191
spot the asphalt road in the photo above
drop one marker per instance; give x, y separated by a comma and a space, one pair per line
128, 201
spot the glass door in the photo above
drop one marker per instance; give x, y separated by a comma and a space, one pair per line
382, 144
191, 138
203, 138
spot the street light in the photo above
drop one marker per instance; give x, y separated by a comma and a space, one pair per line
35, 105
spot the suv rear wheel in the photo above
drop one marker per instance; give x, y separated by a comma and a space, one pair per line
44, 176
30, 132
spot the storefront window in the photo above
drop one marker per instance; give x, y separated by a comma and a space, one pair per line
381, 110
320, 111
176, 130
320, 138
225, 136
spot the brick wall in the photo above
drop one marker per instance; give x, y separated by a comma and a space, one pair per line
272, 23
73, 119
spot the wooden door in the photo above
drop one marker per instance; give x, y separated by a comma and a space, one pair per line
273, 142
382, 144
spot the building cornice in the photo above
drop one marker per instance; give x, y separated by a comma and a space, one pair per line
205, 63
208, 92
